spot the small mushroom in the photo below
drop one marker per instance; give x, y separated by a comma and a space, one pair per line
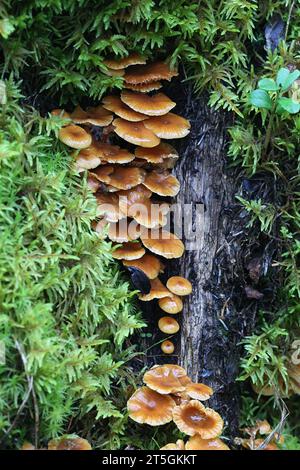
114, 103
162, 183
149, 214
97, 116
148, 263
135, 133
162, 243
158, 291
148, 73
197, 443
69, 443
179, 285
108, 206
120, 177
169, 126
61, 113
168, 325
107, 153
155, 105
123, 231
171, 305
129, 251
167, 347
165, 379
179, 445
131, 59
193, 418
144, 87
75, 137
148, 406
199, 391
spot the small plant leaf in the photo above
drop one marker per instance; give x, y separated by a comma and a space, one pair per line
289, 105
268, 84
260, 99
282, 75
285, 78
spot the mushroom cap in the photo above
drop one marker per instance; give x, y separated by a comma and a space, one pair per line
143, 87
168, 325
27, 446
179, 445
199, 391
169, 126
148, 263
156, 154
193, 418
158, 291
123, 231
149, 214
129, 251
97, 116
165, 379
162, 183
86, 160
132, 59
162, 243
69, 443
149, 73
179, 285
258, 444
61, 113
75, 137
114, 103
171, 305
92, 183
149, 407
155, 105
135, 133
109, 153
129, 197
108, 206
167, 347
120, 177
197, 443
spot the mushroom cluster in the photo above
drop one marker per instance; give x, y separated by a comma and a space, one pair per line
170, 395
129, 170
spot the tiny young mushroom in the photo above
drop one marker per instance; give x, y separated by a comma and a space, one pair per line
167, 347
115, 104
168, 126
155, 105
158, 291
148, 406
199, 391
165, 379
179, 285
148, 263
162, 243
135, 133
129, 251
197, 443
168, 325
162, 183
69, 443
171, 305
75, 137
193, 418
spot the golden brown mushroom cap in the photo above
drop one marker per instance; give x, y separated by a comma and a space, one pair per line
114, 103
158, 291
199, 391
108, 206
69, 443
97, 116
27, 446
197, 443
132, 59
167, 347
148, 73
149, 214
60, 112
179, 445
165, 379
156, 154
129, 251
86, 160
135, 133
179, 285
171, 305
169, 126
148, 406
129, 197
168, 325
193, 418
120, 177
75, 137
155, 105
123, 231
162, 243
162, 183
143, 87
148, 263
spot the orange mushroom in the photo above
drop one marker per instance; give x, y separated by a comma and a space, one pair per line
75, 137
156, 154
199, 391
97, 116
169, 126
179, 285
162, 183
178, 445
167, 347
69, 443
129, 251
148, 406
197, 443
193, 418
123, 231
149, 214
120, 177
171, 305
155, 105
135, 133
108, 206
131, 59
135, 195
158, 291
144, 87
168, 325
165, 379
148, 73
148, 263
162, 243
114, 103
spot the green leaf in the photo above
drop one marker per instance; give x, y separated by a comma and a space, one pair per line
260, 99
268, 84
282, 75
285, 78
6, 28
289, 105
